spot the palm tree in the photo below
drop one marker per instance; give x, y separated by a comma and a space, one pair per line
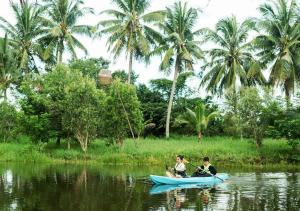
279, 43
197, 119
7, 66
231, 63
24, 34
129, 29
61, 21
178, 45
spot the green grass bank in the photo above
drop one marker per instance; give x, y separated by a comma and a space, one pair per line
221, 150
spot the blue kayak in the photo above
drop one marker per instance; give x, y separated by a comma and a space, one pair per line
189, 180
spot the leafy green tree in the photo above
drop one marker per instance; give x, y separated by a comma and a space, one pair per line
122, 114
178, 45
197, 119
279, 43
8, 122
24, 34
61, 22
8, 71
250, 108
129, 30
123, 76
164, 86
90, 66
83, 110
231, 61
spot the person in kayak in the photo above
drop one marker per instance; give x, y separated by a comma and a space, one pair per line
206, 170
179, 170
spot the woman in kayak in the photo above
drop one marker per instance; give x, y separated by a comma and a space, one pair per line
206, 170
179, 169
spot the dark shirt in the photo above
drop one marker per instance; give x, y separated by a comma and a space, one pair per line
212, 169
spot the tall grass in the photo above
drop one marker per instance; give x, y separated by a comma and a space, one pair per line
224, 150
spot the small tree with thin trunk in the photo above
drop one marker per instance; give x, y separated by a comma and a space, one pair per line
83, 110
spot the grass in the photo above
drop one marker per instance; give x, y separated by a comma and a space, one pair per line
152, 151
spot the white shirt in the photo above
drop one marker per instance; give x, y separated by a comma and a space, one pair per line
180, 167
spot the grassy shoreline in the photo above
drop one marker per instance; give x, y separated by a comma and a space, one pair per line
221, 150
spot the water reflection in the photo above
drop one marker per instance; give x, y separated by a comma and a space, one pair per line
66, 187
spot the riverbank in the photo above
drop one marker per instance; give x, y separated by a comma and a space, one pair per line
221, 150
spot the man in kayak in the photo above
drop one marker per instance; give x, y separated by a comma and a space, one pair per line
206, 170
179, 169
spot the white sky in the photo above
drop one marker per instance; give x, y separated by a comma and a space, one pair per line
213, 10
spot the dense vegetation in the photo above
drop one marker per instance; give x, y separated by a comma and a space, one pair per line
66, 101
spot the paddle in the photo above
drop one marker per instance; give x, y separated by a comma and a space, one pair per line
203, 170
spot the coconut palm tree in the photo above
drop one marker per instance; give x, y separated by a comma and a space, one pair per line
7, 66
197, 119
128, 29
62, 23
24, 34
231, 60
279, 42
178, 45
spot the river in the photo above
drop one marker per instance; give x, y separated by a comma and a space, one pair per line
118, 188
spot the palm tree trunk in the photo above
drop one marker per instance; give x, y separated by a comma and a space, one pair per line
130, 66
59, 52
171, 98
5, 95
199, 136
287, 95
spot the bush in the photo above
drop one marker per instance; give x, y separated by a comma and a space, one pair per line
8, 122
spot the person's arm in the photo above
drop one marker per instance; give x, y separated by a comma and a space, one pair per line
212, 170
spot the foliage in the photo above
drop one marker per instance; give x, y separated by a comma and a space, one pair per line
197, 119
231, 62
83, 110
250, 108
122, 113
164, 86
123, 76
129, 30
8, 73
61, 24
279, 42
24, 34
89, 66
8, 122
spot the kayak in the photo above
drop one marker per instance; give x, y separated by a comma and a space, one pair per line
189, 180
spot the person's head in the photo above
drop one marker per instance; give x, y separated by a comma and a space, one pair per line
205, 161
179, 158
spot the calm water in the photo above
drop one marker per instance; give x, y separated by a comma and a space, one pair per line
67, 187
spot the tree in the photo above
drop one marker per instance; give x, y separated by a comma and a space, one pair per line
83, 110
7, 67
178, 45
8, 122
122, 114
279, 43
231, 62
128, 29
197, 119
250, 108
62, 25
89, 66
24, 34
164, 86
123, 76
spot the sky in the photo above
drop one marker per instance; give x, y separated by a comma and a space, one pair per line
212, 11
